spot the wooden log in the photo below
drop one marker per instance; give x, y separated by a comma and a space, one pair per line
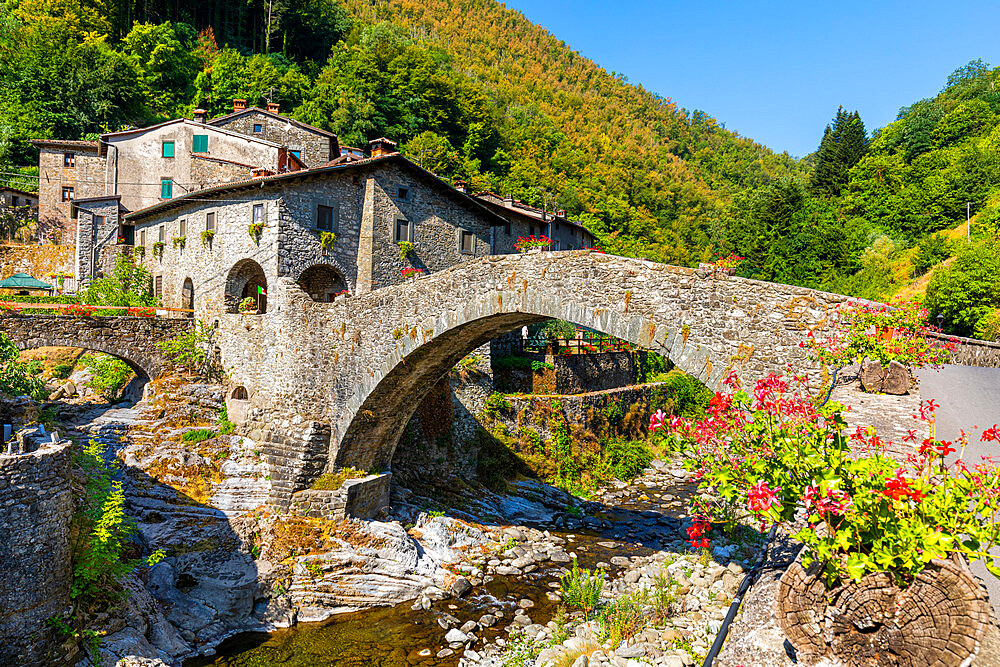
939, 620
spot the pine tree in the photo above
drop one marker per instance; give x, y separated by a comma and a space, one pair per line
844, 143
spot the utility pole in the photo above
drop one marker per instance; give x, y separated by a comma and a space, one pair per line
968, 220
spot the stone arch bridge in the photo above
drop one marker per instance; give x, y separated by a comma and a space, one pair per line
132, 339
331, 385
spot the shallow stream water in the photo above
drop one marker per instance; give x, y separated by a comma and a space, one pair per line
399, 635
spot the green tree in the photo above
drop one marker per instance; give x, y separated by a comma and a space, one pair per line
15, 376
967, 290
166, 62
844, 143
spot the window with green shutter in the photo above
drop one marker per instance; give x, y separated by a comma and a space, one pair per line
199, 143
168, 149
166, 188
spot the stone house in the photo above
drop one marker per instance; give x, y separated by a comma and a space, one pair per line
148, 165
315, 147
100, 234
67, 170
201, 252
525, 220
12, 198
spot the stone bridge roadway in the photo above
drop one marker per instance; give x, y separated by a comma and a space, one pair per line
333, 385
132, 339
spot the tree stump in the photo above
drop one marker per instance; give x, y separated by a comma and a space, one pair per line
938, 621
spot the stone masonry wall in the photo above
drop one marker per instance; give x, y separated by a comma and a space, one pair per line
973, 352
208, 171
87, 179
363, 498
93, 240
37, 261
574, 374
316, 149
37, 504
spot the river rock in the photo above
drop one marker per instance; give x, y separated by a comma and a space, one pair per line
522, 562
456, 636
447, 621
559, 556
460, 587
633, 651
488, 620
469, 627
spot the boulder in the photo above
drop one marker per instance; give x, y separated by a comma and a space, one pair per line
460, 587
897, 379
456, 636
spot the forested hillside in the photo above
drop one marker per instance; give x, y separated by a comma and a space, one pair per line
469, 89
475, 91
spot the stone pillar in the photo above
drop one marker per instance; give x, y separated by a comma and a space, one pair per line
366, 241
36, 505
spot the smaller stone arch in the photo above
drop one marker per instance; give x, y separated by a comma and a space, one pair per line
322, 282
243, 281
187, 296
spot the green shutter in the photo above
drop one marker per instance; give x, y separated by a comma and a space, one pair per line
200, 143
168, 149
166, 189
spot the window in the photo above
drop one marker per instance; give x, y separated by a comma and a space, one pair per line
182, 228
257, 216
15, 201
467, 242
168, 149
67, 194
240, 394
403, 194
127, 232
210, 222
98, 221
158, 286
404, 230
69, 159
297, 154
166, 188
506, 229
142, 237
199, 143
161, 234
324, 218
257, 128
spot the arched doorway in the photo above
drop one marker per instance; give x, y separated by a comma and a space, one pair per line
187, 296
322, 282
246, 280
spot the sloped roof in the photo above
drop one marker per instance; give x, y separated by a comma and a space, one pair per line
526, 210
331, 167
23, 281
65, 143
277, 116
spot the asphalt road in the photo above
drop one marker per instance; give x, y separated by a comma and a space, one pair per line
970, 400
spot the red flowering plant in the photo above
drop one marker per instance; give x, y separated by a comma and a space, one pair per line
79, 310
526, 243
774, 457
730, 262
410, 272
884, 333
142, 312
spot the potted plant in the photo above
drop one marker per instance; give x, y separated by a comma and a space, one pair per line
405, 250
140, 251
248, 306
326, 240
158, 248
528, 243
888, 341
885, 542
206, 237
411, 272
256, 230
179, 242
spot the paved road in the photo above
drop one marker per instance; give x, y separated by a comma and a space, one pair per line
970, 400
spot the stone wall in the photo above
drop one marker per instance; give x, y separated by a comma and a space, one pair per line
363, 498
316, 148
37, 505
87, 179
38, 261
206, 170
96, 238
972, 352
573, 374
133, 339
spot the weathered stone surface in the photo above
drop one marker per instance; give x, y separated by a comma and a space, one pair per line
35, 508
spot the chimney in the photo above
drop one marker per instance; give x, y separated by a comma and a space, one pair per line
508, 201
239, 105
260, 172
273, 107
381, 146
200, 116
461, 186
561, 213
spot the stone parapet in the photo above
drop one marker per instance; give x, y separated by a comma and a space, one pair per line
36, 505
971, 351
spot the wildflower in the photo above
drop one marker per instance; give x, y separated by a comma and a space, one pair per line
834, 502
944, 448
898, 488
992, 433
656, 420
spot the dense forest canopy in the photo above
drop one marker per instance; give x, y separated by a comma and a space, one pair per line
473, 90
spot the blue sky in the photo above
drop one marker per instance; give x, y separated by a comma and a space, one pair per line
776, 71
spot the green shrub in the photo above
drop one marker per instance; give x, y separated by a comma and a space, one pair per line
581, 588
626, 459
968, 289
110, 374
128, 286
34, 367
495, 404
196, 435
405, 250
189, 349
932, 250
623, 618
62, 370
331, 481
15, 380
102, 529
226, 427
